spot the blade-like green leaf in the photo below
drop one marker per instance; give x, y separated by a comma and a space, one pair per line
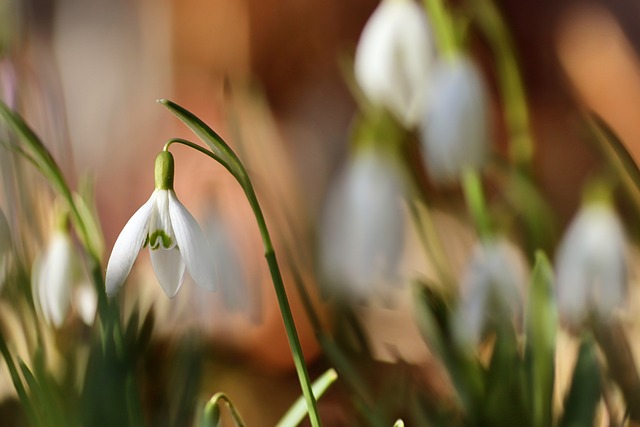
298, 410
584, 394
541, 330
223, 153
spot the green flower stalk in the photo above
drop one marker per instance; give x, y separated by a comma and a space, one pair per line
219, 151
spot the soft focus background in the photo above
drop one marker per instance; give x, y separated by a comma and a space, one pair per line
272, 78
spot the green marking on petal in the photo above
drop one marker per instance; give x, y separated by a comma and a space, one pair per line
159, 239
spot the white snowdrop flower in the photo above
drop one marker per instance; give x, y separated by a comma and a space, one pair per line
52, 278
591, 270
455, 131
492, 290
363, 227
393, 57
174, 238
6, 248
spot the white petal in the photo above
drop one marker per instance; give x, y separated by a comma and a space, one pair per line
455, 131
363, 228
590, 265
169, 269
127, 247
54, 280
195, 250
393, 57
85, 301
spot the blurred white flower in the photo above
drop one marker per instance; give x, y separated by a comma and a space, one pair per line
590, 265
85, 301
363, 228
174, 238
393, 57
6, 248
52, 278
491, 290
454, 131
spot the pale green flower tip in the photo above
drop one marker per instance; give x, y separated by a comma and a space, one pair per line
164, 171
598, 192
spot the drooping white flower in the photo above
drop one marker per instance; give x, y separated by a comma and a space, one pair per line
172, 234
492, 290
363, 228
393, 57
52, 278
590, 265
454, 130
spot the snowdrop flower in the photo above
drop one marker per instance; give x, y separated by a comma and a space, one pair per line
590, 265
454, 132
393, 57
492, 290
362, 234
173, 236
52, 278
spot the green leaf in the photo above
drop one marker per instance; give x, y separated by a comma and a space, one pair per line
541, 327
537, 217
581, 402
298, 410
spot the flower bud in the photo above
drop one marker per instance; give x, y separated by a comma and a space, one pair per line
393, 58
52, 278
454, 130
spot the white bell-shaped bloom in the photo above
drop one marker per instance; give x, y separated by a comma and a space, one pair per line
52, 278
172, 234
363, 228
455, 131
590, 265
492, 290
393, 57
6, 248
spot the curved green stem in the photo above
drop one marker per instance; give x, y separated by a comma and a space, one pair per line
211, 411
285, 309
443, 26
521, 148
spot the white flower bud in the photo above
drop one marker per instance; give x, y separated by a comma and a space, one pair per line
393, 58
363, 228
590, 265
454, 132
52, 278
492, 290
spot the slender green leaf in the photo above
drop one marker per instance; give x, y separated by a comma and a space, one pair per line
581, 402
223, 153
541, 330
298, 410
